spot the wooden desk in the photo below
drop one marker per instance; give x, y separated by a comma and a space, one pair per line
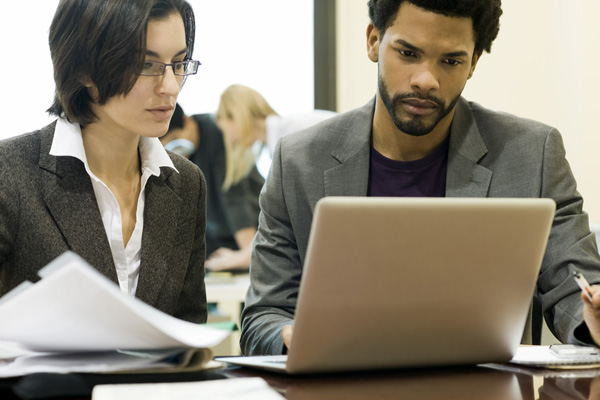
464, 383
229, 292
435, 384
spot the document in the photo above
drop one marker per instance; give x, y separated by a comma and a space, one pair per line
76, 312
222, 389
561, 356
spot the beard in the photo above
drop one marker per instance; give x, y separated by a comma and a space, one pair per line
413, 125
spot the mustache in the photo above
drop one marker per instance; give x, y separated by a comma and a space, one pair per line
416, 95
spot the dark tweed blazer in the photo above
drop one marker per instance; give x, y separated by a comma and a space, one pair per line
48, 206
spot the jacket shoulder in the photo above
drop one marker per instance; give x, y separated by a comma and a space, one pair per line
188, 176
490, 120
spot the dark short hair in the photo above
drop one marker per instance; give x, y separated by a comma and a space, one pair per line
485, 15
103, 41
177, 120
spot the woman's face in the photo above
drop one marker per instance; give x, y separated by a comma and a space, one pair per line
231, 129
146, 110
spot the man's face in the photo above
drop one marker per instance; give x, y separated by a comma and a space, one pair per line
424, 61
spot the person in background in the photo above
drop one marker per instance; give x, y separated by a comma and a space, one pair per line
232, 214
419, 137
97, 180
249, 123
225, 148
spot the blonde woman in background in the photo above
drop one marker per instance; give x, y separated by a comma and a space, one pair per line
242, 115
249, 123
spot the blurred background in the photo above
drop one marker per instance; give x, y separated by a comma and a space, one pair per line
305, 54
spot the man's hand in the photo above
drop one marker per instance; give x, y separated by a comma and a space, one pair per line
591, 313
286, 333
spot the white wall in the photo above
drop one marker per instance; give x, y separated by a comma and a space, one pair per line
25, 66
356, 74
543, 65
265, 44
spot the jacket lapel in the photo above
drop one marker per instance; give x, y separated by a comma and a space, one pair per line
465, 177
161, 218
70, 198
351, 176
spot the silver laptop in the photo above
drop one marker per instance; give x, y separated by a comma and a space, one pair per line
414, 282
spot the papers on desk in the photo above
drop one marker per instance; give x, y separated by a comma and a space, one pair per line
236, 388
558, 357
76, 320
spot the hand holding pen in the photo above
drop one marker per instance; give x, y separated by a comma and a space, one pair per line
591, 310
586, 289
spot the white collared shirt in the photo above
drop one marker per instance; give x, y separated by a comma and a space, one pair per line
69, 142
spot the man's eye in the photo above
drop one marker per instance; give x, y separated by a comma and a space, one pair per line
406, 53
452, 62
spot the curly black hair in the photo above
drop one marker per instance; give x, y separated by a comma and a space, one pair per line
485, 15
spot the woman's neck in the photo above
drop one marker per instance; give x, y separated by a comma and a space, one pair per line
111, 156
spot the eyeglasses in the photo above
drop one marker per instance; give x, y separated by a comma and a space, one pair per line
180, 68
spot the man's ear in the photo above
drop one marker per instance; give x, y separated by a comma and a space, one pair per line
373, 38
474, 64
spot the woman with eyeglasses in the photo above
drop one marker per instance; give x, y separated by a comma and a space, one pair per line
97, 181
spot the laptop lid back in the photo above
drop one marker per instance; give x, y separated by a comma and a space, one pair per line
409, 282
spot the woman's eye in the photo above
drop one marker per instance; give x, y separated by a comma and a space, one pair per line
147, 66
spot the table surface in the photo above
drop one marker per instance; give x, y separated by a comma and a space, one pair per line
229, 292
501, 383
462, 383
434, 383
226, 288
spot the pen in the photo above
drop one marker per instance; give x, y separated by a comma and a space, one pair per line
583, 284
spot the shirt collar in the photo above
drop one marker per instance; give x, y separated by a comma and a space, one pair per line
68, 141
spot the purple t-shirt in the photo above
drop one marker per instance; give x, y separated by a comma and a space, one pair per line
420, 178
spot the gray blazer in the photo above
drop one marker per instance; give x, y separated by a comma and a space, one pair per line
48, 206
491, 154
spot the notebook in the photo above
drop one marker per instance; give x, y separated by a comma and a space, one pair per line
414, 282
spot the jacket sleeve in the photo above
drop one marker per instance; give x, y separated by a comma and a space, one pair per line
275, 271
9, 213
571, 247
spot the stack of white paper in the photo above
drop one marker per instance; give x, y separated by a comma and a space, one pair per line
75, 309
226, 389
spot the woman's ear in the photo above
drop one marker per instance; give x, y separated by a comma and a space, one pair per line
86, 81
90, 86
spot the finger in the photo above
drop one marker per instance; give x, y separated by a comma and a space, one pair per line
287, 333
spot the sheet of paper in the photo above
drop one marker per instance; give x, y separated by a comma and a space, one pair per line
542, 356
11, 350
162, 361
223, 389
75, 308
